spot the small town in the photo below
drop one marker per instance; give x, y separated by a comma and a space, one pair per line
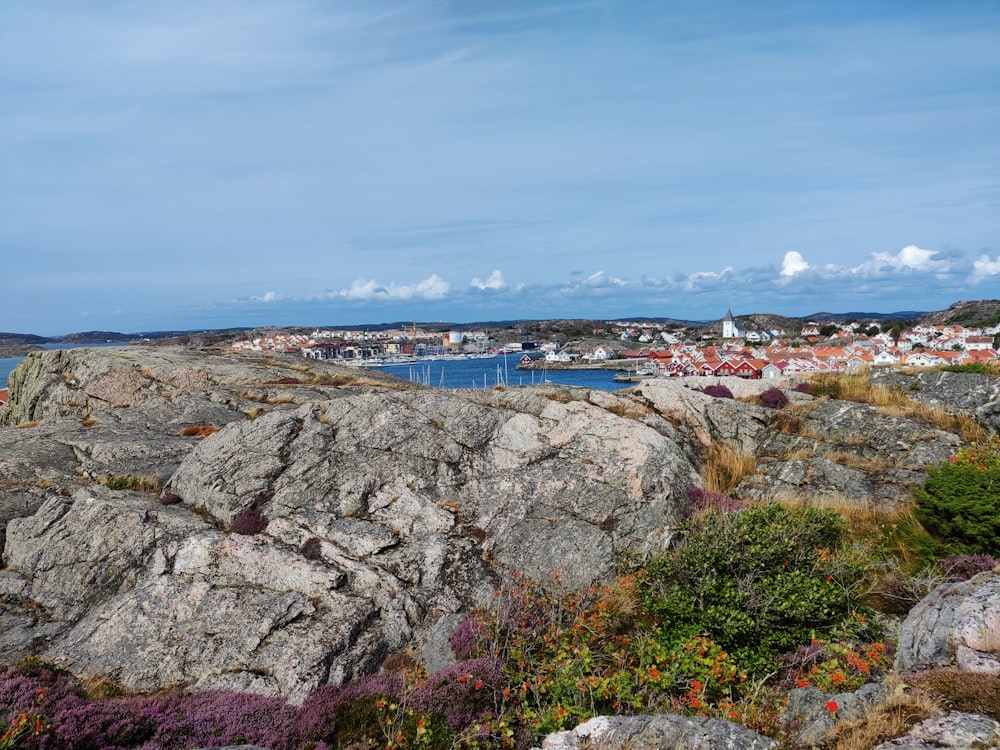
726, 348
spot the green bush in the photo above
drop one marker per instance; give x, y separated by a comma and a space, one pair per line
980, 368
759, 582
960, 500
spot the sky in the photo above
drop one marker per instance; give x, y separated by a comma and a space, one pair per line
200, 164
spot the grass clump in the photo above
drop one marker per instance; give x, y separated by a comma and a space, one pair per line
131, 482
725, 467
883, 721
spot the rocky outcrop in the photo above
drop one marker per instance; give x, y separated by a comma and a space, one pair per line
171, 517
955, 730
957, 624
306, 529
816, 448
971, 393
808, 719
657, 732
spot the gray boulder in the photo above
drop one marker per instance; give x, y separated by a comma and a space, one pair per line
382, 508
808, 719
660, 732
955, 730
955, 392
957, 624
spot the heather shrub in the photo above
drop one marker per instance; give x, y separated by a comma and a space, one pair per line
718, 391
773, 398
464, 637
249, 521
760, 582
804, 387
960, 500
701, 500
963, 567
343, 716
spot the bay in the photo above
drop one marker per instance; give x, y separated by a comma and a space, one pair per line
494, 371
458, 373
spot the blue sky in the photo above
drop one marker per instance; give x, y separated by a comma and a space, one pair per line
215, 163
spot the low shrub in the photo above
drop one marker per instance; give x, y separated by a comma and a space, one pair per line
131, 482
960, 500
717, 391
804, 387
979, 368
759, 581
958, 690
773, 398
249, 521
701, 500
834, 667
963, 567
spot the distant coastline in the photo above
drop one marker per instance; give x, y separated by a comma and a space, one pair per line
18, 350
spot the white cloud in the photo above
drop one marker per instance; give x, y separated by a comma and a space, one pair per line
267, 297
793, 263
494, 281
600, 278
910, 258
433, 287
707, 279
985, 267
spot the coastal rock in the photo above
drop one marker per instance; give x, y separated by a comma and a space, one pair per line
955, 392
808, 718
656, 733
302, 521
957, 624
959, 731
378, 509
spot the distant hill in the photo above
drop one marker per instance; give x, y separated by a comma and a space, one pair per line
967, 312
827, 317
982, 312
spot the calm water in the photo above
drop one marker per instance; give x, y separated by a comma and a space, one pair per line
463, 373
477, 373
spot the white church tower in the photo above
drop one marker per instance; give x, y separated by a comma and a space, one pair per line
730, 328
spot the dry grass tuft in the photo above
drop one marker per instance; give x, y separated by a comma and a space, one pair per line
89, 421
882, 722
725, 467
894, 402
199, 431
25, 425
871, 465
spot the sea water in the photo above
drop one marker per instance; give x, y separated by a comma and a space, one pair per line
458, 373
